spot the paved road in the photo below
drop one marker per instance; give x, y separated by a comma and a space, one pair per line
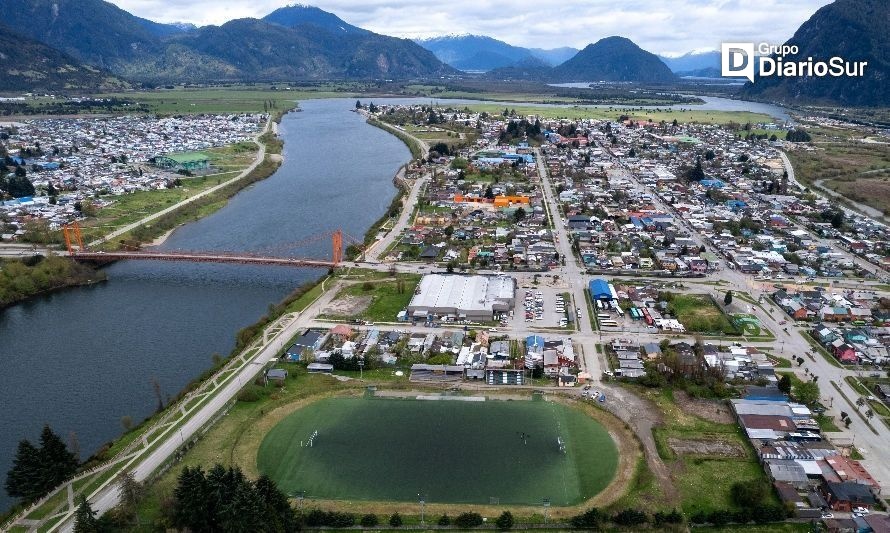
129, 227
379, 247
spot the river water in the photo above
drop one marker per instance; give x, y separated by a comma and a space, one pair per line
83, 358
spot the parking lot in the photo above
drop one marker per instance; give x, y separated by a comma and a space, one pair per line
540, 307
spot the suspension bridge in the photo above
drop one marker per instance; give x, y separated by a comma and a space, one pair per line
77, 250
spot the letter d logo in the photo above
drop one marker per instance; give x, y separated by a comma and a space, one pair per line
737, 60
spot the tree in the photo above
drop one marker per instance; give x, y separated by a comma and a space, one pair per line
358, 104
395, 520
748, 494
807, 392
519, 215
837, 219
869, 414
58, 463
489, 193
19, 185
468, 520
444, 520
130, 492
784, 384
85, 520
369, 520
23, 479
505, 521
191, 499
860, 401
728, 298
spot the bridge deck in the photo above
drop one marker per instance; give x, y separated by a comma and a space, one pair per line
195, 257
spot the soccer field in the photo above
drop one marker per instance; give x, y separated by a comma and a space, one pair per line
450, 451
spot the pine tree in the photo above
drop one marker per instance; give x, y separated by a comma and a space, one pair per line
59, 464
85, 520
23, 479
191, 500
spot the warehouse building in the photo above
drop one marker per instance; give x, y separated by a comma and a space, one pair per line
459, 297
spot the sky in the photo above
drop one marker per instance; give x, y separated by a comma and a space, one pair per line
664, 27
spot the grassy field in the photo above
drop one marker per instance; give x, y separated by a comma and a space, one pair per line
842, 162
699, 314
128, 208
451, 451
703, 480
225, 100
656, 115
386, 300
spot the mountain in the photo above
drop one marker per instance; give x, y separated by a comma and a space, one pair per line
95, 32
28, 65
482, 53
294, 42
554, 56
297, 15
703, 64
613, 59
856, 30
165, 30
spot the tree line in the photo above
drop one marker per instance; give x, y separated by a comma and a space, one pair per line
36, 470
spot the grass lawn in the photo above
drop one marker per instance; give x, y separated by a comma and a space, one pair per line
451, 451
699, 314
386, 298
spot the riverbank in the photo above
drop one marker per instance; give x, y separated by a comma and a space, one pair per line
162, 226
24, 279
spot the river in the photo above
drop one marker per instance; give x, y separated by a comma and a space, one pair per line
83, 358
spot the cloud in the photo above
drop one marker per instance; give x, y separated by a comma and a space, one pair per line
661, 27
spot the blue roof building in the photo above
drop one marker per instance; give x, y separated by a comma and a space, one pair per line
599, 289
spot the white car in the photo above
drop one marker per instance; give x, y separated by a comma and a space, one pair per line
860, 510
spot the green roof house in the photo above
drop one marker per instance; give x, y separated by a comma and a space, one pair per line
190, 161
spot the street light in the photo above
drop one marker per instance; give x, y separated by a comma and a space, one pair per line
361, 366
422, 500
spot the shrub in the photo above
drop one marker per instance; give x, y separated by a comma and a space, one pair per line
673, 517
468, 520
720, 517
630, 517
369, 520
248, 395
444, 520
589, 519
505, 521
395, 520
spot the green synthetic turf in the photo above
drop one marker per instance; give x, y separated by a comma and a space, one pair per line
450, 451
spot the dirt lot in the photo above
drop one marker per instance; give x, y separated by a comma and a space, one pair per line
711, 448
712, 410
347, 306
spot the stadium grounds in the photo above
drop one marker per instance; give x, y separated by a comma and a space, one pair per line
519, 452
